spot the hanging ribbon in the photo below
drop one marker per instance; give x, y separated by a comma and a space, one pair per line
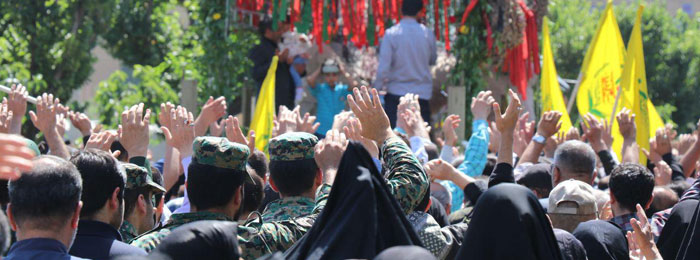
436, 18
468, 10
489, 33
380, 18
445, 4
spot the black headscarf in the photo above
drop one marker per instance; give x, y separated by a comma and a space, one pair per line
690, 245
571, 248
361, 218
206, 239
672, 234
405, 253
509, 223
602, 240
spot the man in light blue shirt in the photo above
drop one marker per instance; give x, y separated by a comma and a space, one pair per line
406, 54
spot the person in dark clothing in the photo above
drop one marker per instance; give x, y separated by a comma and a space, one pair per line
103, 207
508, 223
405, 253
438, 212
44, 209
571, 248
262, 54
678, 222
538, 179
689, 247
205, 239
359, 198
602, 240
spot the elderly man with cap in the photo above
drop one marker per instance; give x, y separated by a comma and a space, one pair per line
216, 175
294, 175
139, 204
571, 203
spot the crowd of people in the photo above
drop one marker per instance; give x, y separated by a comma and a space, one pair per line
374, 181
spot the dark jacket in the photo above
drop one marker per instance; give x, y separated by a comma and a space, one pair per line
39, 248
261, 55
99, 240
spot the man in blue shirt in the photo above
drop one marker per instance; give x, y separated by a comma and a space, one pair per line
44, 209
406, 54
330, 94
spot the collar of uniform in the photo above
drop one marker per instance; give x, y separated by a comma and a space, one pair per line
127, 229
184, 218
281, 204
97, 228
39, 244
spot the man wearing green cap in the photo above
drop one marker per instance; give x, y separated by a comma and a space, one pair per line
216, 175
294, 175
139, 204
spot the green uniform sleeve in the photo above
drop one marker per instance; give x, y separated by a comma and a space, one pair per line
406, 178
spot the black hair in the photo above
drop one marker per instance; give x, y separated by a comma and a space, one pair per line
258, 162
264, 25
679, 187
101, 175
4, 233
631, 184
210, 186
432, 150
292, 178
48, 194
490, 165
131, 197
117, 146
411, 7
253, 193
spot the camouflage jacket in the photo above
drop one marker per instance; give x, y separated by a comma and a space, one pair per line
405, 176
127, 231
258, 238
288, 208
150, 240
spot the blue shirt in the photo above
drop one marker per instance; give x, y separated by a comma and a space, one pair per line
329, 102
475, 158
99, 240
406, 54
39, 248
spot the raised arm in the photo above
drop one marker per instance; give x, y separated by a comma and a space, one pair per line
45, 119
506, 126
406, 178
692, 155
548, 126
628, 130
478, 147
17, 103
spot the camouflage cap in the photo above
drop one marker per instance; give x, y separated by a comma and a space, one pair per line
292, 146
219, 152
138, 177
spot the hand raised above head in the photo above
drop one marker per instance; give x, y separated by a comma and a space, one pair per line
368, 109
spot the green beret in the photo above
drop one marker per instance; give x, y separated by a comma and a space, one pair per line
292, 146
219, 152
32, 145
138, 177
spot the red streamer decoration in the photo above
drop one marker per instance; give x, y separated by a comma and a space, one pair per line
436, 18
468, 10
445, 4
489, 33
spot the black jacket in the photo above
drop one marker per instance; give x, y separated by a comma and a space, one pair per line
99, 240
261, 55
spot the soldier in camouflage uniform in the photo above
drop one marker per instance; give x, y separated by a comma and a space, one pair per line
216, 175
294, 174
139, 213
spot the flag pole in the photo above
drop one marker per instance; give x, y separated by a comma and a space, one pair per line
573, 93
617, 98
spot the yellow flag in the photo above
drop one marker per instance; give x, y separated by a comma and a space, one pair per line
552, 99
634, 85
655, 121
265, 109
601, 71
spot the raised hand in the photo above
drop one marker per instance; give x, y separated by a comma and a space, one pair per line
594, 133
375, 123
641, 240
495, 137
481, 105
307, 123
133, 131
607, 133
685, 142
234, 134
505, 122
17, 103
572, 134
525, 128
15, 156
81, 122
103, 141
5, 118
353, 131
415, 126
449, 129
341, 120
628, 128
662, 174
328, 153
549, 124
165, 116
286, 121
406, 102
663, 141
439, 169
181, 134
212, 110
217, 128
46, 120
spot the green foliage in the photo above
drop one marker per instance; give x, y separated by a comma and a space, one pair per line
671, 50
46, 44
119, 92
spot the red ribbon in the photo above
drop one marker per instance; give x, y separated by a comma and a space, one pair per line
468, 10
489, 33
436, 10
445, 4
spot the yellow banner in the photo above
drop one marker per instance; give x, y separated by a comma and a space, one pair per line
265, 109
552, 98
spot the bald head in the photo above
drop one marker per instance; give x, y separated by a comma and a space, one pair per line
574, 160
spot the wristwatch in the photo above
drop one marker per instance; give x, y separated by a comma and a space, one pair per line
539, 139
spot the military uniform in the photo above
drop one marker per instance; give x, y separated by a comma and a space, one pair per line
405, 176
290, 147
214, 151
137, 177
